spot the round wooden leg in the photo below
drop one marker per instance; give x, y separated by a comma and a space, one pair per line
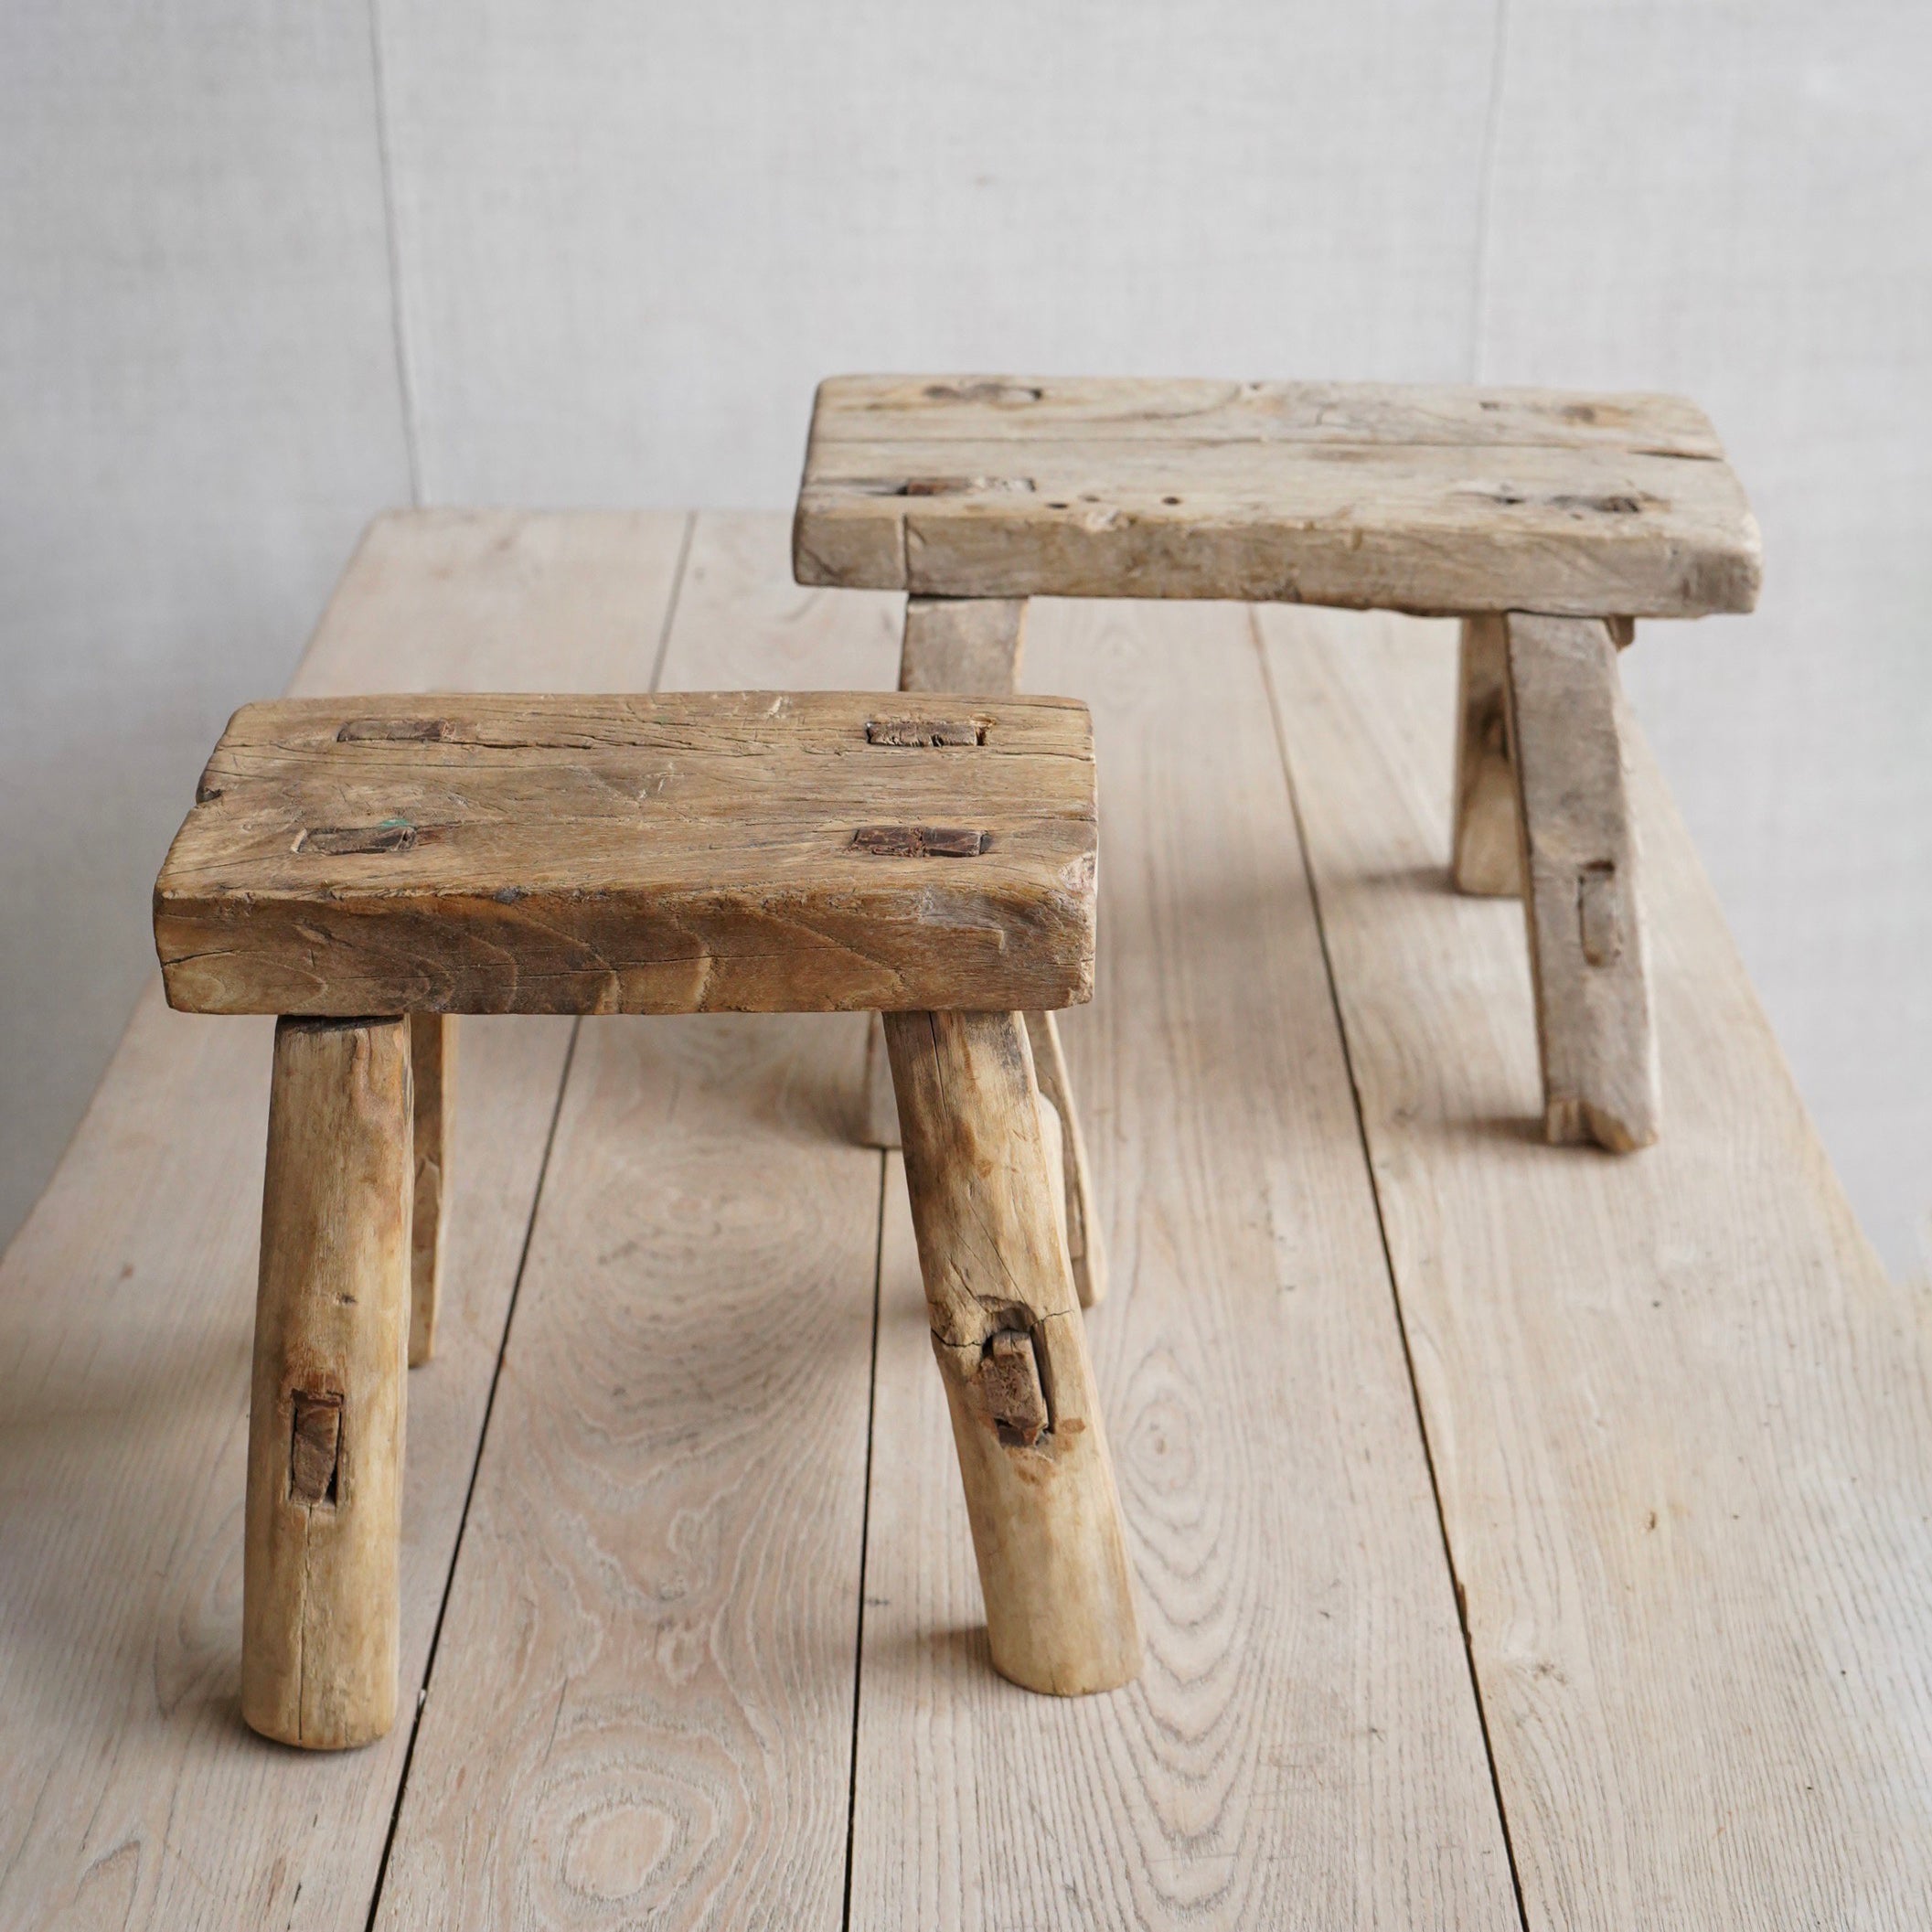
325, 1422
1012, 1345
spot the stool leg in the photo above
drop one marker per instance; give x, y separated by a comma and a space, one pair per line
972, 644
1588, 954
433, 1057
879, 1120
1485, 861
326, 1419
1085, 1245
1012, 1349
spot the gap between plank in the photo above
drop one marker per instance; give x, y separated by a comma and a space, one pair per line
469, 1494
865, 1531
1402, 1329
670, 608
399, 322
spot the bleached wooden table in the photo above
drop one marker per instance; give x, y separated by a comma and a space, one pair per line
1525, 1536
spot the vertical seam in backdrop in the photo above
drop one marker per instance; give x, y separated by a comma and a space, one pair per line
399, 326
1484, 188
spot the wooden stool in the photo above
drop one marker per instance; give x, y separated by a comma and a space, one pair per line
1547, 521
366, 867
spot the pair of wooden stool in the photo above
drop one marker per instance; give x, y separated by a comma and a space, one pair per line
365, 867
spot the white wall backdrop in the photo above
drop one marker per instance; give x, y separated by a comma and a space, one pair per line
264, 271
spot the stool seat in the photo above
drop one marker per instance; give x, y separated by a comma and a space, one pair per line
1434, 500
738, 851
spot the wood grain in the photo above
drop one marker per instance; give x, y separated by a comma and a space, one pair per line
1679, 1413
130, 1793
1583, 899
328, 1403
647, 1716
1187, 410
738, 851
1302, 1746
1002, 488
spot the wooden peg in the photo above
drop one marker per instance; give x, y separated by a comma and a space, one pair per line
324, 1516
1011, 1347
1485, 861
1588, 954
433, 1055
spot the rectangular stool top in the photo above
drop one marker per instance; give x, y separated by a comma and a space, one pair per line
1368, 495
724, 851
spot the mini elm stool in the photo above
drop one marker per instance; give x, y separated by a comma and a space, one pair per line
365, 868
1548, 521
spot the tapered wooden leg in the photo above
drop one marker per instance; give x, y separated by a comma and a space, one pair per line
1083, 1228
1011, 1346
1485, 859
326, 1418
432, 1054
1588, 954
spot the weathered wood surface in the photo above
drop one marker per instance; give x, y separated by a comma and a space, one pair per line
988, 1199
129, 1792
1484, 857
432, 1060
1302, 1747
1583, 898
1161, 410
329, 1406
740, 851
1370, 496
1680, 1416
645, 1713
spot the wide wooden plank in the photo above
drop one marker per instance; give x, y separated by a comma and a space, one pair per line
1192, 409
749, 851
1302, 1746
129, 1792
642, 1712
1421, 500
1681, 1421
